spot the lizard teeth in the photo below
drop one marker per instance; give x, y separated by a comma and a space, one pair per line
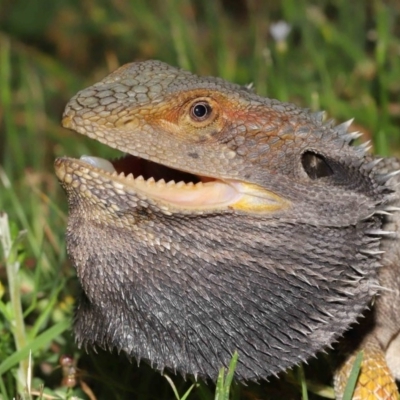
207, 194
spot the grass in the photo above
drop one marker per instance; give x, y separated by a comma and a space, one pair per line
339, 56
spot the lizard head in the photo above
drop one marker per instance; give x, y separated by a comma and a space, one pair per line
233, 222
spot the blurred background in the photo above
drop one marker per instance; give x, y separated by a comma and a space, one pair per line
335, 55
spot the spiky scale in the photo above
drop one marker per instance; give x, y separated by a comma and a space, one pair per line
343, 127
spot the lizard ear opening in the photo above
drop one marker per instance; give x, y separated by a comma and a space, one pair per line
315, 165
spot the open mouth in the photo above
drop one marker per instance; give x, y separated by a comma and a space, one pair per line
147, 169
171, 187
159, 182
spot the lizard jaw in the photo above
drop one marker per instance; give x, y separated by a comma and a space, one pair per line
190, 193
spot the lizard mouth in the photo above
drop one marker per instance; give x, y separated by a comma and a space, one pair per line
167, 184
172, 188
137, 166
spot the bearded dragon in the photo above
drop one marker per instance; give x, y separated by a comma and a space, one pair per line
232, 222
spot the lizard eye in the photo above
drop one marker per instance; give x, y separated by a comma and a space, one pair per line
200, 111
315, 165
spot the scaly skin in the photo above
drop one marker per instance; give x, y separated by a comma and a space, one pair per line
273, 251
378, 334
375, 380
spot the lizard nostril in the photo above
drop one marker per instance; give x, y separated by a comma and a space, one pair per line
315, 165
200, 111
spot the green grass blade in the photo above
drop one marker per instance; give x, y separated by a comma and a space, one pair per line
186, 395
3, 390
175, 390
219, 389
230, 374
10, 247
224, 382
40, 341
303, 383
173, 387
352, 381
